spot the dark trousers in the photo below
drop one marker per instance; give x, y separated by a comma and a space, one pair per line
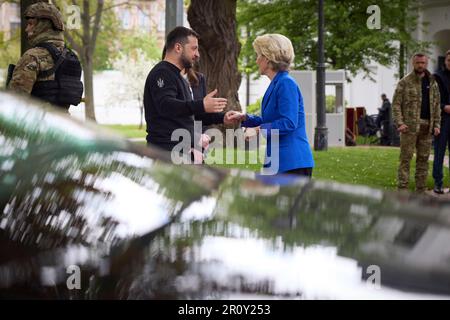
440, 146
306, 172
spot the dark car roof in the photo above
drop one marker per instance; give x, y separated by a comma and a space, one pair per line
139, 227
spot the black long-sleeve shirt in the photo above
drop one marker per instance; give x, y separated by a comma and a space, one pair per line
443, 80
169, 106
425, 109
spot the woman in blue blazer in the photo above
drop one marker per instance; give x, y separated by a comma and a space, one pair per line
282, 117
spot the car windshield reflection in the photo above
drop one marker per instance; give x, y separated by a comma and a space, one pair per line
138, 227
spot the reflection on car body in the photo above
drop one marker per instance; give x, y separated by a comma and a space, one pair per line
138, 227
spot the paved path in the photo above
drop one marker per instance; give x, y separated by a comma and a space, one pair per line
446, 195
136, 139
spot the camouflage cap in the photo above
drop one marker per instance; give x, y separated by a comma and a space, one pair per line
43, 10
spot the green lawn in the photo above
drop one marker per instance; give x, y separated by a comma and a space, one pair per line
365, 165
129, 131
371, 166
236, 158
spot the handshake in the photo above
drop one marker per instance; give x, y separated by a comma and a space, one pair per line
215, 105
234, 117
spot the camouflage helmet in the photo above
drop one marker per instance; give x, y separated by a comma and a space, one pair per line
43, 10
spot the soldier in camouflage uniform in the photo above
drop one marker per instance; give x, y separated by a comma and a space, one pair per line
44, 24
417, 114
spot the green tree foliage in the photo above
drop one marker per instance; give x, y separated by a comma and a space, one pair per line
135, 43
106, 49
9, 46
129, 43
349, 43
9, 49
113, 41
330, 103
255, 108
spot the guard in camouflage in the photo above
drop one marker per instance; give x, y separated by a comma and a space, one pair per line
417, 114
44, 24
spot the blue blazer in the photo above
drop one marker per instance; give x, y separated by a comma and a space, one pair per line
282, 109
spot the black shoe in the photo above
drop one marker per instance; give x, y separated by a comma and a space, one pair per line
438, 190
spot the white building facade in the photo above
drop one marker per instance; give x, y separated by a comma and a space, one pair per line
436, 15
9, 19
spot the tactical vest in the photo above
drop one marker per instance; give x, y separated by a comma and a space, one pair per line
67, 88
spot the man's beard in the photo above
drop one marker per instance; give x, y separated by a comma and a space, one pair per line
185, 62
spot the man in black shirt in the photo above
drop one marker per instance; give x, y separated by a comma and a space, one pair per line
384, 121
385, 110
441, 141
168, 102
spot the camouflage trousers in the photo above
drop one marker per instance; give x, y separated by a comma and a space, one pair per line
421, 143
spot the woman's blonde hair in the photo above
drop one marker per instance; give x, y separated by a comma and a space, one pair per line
277, 48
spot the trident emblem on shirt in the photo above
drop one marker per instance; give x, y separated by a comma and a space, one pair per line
160, 83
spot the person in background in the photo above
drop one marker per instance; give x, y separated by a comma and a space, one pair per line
384, 113
384, 121
48, 70
417, 115
441, 141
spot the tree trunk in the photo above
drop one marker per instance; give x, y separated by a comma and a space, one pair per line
215, 22
401, 62
89, 89
88, 59
402, 49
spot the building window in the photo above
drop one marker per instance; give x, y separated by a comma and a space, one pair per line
126, 19
143, 20
162, 22
14, 26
